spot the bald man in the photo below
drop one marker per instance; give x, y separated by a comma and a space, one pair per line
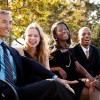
91, 62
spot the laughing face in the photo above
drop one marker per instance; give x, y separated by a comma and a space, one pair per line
85, 37
62, 32
32, 37
5, 25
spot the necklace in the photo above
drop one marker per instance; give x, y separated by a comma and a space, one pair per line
69, 62
63, 51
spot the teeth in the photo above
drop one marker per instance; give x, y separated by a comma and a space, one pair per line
32, 42
6, 30
87, 39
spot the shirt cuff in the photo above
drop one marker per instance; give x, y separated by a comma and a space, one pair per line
54, 77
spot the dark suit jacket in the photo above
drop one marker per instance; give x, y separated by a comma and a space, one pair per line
28, 70
92, 65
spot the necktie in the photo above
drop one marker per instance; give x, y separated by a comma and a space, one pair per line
8, 67
87, 54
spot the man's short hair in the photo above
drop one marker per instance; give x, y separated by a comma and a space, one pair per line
81, 30
4, 12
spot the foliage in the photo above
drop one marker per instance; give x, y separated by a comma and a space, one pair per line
96, 35
46, 12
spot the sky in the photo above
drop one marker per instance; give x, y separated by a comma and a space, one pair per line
96, 1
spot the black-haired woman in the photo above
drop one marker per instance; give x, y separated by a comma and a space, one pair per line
61, 57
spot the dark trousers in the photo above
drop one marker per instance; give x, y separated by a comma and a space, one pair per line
45, 90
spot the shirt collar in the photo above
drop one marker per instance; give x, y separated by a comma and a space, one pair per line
84, 49
1, 41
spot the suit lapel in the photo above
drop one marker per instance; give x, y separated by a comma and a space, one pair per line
81, 52
13, 54
91, 52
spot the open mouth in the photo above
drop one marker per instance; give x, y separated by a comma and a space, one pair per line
87, 40
7, 30
32, 43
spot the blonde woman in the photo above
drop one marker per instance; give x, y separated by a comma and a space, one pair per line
35, 46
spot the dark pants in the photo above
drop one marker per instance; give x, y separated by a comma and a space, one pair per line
45, 90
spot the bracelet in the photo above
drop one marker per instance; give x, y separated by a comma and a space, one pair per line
86, 80
94, 81
54, 77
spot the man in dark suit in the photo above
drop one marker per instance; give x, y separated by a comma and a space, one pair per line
88, 56
92, 63
28, 76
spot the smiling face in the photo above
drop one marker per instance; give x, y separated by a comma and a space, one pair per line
5, 25
61, 32
85, 37
32, 37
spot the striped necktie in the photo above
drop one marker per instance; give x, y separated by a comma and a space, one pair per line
8, 67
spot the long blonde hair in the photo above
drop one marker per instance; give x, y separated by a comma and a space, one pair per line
41, 49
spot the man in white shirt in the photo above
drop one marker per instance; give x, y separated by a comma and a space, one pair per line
90, 61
